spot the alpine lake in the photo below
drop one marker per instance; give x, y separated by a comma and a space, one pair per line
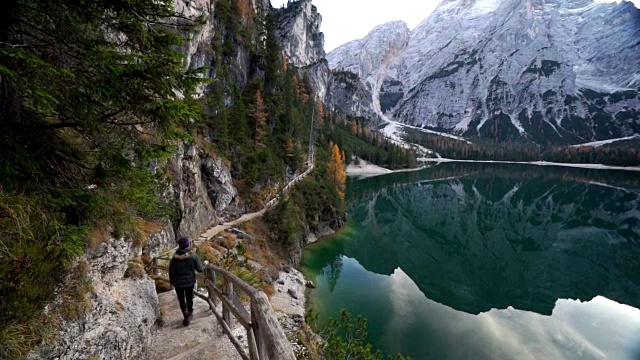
488, 261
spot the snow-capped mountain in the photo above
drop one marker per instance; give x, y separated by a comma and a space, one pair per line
559, 71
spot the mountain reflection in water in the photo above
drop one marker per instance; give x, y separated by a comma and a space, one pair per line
429, 256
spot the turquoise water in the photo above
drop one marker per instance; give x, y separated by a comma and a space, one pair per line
483, 261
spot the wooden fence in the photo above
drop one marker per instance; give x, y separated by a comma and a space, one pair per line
265, 336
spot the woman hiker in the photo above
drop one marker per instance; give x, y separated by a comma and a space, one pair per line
182, 276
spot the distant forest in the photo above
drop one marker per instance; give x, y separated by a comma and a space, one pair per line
623, 153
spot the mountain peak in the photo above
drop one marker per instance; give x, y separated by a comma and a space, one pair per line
378, 48
562, 72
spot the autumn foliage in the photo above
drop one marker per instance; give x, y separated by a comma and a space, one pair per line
335, 170
259, 117
245, 9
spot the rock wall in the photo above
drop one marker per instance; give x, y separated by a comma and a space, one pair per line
349, 95
193, 202
299, 33
194, 50
123, 303
123, 306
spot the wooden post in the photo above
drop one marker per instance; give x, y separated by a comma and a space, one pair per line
273, 338
262, 350
251, 340
211, 274
228, 293
154, 267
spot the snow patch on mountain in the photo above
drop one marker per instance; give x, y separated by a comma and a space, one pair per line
566, 71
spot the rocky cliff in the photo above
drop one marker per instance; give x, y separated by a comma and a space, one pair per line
122, 301
349, 95
302, 43
122, 305
299, 33
547, 71
303, 46
202, 186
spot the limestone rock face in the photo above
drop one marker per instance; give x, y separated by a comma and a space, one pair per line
348, 94
122, 309
299, 33
219, 183
195, 57
372, 60
203, 187
302, 43
373, 57
563, 72
198, 49
190, 191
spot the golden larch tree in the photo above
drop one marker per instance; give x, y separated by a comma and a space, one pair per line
295, 84
259, 117
336, 171
245, 9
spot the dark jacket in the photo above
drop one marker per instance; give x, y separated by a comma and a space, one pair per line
182, 269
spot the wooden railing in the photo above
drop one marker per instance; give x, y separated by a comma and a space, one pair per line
265, 336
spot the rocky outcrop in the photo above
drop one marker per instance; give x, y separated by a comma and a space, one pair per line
320, 76
303, 46
299, 33
203, 188
348, 94
218, 182
122, 306
302, 43
190, 191
195, 50
374, 57
561, 72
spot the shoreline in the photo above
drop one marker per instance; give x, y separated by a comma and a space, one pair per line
537, 163
368, 170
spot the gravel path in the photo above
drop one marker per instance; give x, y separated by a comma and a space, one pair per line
203, 339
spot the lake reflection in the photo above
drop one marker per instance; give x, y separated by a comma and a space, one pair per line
429, 256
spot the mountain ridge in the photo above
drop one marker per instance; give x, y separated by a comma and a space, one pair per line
510, 71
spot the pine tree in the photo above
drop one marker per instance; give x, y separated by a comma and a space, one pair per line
94, 96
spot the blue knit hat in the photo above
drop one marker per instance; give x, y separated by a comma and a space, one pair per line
184, 242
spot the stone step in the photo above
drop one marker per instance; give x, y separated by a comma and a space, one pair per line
210, 351
202, 339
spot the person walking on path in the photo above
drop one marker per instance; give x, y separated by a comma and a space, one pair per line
182, 276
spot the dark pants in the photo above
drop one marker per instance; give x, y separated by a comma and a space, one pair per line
185, 298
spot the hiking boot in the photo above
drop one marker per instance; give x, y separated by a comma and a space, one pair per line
187, 318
